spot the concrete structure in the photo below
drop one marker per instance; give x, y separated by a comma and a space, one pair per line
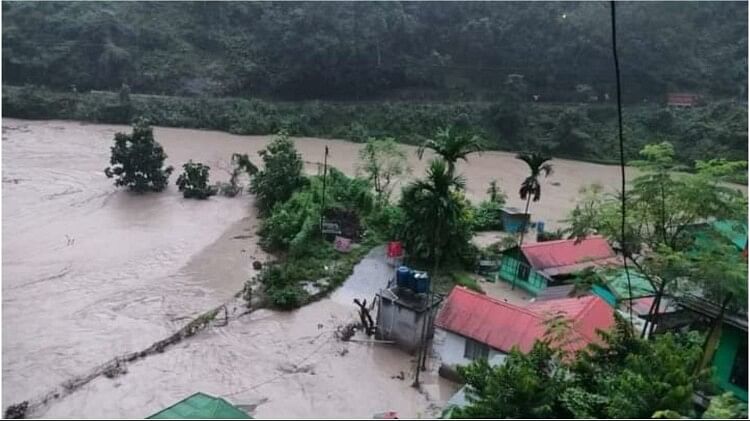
403, 314
471, 326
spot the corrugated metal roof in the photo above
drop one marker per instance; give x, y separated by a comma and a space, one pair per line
566, 256
201, 406
556, 292
503, 326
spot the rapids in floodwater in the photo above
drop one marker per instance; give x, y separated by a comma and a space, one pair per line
91, 272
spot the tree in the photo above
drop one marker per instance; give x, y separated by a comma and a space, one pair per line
137, 160
452, 146
437, 216
281, 175
726, 406
383, 160
240, 164
664, 211
622, 377
193, 182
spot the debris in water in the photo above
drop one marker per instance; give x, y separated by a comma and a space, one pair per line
17, 410
257, 265
399, 376
346, 332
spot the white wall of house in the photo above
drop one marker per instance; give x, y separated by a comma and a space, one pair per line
450, 348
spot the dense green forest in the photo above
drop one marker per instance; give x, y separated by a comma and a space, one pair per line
351, 50
522, 75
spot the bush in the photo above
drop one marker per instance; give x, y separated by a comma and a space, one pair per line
467, 281
137, 160
193, 182
281, 175
488, 216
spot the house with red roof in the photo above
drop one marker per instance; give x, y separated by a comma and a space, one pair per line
471, 325
536, 266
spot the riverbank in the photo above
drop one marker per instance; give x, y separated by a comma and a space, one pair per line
582, 131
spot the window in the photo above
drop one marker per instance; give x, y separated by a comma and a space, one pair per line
474, 350
738, 376
523, 272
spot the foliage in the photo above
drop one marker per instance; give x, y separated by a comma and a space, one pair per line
496, 194
718, 130
537, 164
193, 182
468, 281
281, 175
437, 217
450, 144
557, 234
726, 406
625, 377
378, 49
382, 161
488, 216
137, 160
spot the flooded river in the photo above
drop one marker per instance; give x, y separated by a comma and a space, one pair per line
91, 272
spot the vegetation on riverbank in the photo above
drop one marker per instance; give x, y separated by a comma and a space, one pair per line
577, 131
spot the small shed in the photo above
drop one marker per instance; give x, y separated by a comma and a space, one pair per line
201, 406
514, 219
615, 289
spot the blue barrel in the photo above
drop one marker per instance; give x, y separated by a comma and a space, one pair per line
540, 227
421, 282
403, 277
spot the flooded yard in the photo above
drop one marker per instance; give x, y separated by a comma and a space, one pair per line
91, 272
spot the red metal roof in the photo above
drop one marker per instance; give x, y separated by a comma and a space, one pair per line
503, 326
566, 256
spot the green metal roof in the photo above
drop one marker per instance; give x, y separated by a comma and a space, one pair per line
200, 406
618, 284
733, 231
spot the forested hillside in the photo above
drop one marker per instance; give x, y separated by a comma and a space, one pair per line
357, 51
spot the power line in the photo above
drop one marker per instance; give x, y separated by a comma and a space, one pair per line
623, 206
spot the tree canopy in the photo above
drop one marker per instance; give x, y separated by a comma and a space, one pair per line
364, 50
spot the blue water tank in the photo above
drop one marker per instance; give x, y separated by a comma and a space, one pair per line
403, 277
540, 227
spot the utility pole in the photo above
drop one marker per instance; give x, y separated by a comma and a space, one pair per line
325, 173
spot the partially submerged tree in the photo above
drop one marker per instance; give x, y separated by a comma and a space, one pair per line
382, 161
137, 160
281, 175
241, 164
193, 182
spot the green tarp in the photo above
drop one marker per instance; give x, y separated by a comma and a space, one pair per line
201, 406
618, 284
733, 231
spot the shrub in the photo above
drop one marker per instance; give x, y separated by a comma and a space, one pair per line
281, 175
193, 182
488, 216
137, 160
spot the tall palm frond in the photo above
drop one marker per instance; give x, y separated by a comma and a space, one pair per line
451, 146
538, 164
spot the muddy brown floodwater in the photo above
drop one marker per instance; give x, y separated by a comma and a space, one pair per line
91, 272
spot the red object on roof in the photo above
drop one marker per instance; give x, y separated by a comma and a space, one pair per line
566, 256
503, 326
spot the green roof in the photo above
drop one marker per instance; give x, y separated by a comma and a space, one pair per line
618, 284
733, 231
200, 406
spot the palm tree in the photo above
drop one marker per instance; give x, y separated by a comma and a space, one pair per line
434, 208
531, 189
451, 146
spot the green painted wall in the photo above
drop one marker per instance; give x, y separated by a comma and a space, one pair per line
730, 342
509, 271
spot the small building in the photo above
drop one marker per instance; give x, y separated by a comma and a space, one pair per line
730, 357
471, 326
201, 406
514, 219
551, 263
682, 99
615, 289
403, 314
